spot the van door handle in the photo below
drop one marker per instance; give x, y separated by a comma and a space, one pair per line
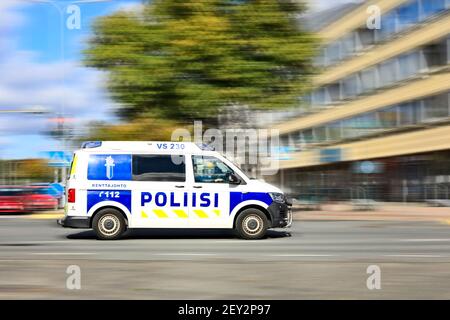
198, 187
179, 186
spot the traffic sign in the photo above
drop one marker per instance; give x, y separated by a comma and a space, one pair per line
59, 159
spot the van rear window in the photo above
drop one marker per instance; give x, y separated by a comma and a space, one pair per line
159, 168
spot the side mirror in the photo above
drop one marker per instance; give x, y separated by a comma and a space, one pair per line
233, 179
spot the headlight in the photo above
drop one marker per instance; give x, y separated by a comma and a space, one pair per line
277, 197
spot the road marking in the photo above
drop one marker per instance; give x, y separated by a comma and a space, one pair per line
24, 243
44, 216
301, 255
446, 221
185, 254
37, 216
62, 253
266, 241
414, 255
424, 240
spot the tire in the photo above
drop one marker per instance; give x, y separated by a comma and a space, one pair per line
251, 224
109, 224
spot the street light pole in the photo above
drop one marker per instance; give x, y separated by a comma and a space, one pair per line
37, 109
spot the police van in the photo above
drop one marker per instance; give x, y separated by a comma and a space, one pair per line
114, 186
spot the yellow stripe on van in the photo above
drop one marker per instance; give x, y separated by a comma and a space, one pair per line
217, 212
143, 214
74, 165
160, 213
201, 213
180, 213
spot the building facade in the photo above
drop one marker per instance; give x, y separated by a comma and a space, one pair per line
377, 124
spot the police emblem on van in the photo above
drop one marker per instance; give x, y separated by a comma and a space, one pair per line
109, 167
109, 164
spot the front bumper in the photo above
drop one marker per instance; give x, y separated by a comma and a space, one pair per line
281, 214
75, 222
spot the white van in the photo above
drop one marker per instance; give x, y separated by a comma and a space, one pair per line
115, 185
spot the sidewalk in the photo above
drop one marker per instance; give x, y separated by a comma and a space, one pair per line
386, 212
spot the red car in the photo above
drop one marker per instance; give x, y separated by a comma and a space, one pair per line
39, 198
12, 199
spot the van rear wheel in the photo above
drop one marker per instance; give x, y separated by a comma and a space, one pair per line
109, 224
251, 224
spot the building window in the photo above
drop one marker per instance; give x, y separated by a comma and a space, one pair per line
388, 118
320, 134
349, 128
334, 92
369, 79
409, 113
320, 97
348, 44
388, 72
334, 52
431, 7
364, 38
409, 65
388, 26
436, 54
351, 87
307, 136
335, 131
436, 108
408, 14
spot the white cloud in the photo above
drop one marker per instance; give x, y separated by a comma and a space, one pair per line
24, 81
62, 87
318, 5
129, 7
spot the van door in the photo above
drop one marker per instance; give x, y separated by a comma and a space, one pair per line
159, 191
210, 206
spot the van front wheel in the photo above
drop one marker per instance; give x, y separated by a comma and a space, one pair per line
251, 224
109, 224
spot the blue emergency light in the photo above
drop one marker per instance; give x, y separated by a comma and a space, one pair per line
91, 144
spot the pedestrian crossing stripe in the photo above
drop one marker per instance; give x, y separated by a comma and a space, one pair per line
179, 213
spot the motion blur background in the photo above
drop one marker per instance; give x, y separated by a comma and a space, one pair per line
363, 113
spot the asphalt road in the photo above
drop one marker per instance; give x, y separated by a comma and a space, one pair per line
317, 260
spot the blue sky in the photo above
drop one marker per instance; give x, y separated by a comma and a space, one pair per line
35, 69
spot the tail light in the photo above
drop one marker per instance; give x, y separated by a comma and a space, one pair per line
71, 195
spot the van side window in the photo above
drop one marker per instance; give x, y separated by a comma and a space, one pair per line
209, 169
159, 168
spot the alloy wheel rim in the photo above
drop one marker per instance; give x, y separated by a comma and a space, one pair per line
109, 225
253, 224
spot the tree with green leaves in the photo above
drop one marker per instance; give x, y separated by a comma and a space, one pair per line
185, 59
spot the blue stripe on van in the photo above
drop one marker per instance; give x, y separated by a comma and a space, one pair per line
238, 197
121, 196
